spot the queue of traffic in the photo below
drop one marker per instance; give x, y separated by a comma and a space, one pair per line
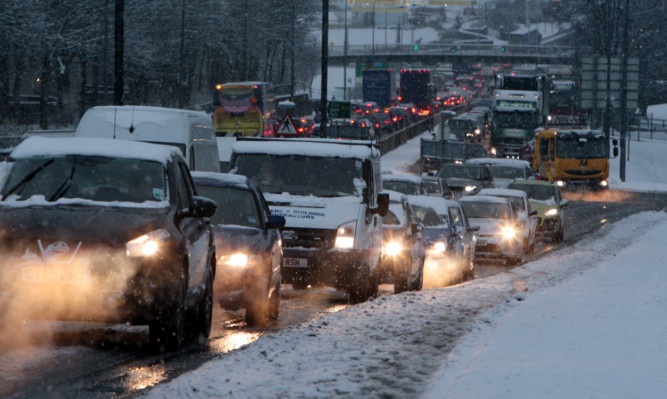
131, 221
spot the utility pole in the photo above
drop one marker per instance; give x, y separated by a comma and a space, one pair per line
119, 50
624, 86
105, 70
293, 45
345, 57
181, 75
325, 67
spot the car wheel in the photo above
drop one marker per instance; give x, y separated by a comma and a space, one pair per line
359, 289
274, 302
299, 285
401, 281
559, 236
257, 312
418, 283
167, 331
200, 328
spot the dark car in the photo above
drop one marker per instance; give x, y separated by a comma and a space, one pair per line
436, 186
400, 117
402, 260
248, 246
448, 238
107, 230
466, 179
381, 122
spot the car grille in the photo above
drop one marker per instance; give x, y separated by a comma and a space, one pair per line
309, 238
579, 172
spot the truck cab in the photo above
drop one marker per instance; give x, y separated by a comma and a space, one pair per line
573, 158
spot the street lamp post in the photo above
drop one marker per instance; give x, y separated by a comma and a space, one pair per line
345, 57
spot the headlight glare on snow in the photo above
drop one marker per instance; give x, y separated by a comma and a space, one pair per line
146, 245
239, 260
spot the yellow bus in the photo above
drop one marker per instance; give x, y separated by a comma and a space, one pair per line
244, 109
573, 158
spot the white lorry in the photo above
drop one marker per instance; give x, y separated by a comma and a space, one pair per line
329, 193
191, 131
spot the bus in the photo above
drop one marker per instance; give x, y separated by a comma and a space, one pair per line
516, 114
244, 109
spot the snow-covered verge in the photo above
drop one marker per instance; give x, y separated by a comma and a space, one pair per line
390, 347
599, 335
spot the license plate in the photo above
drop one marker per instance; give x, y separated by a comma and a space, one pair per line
57, 275
295, 262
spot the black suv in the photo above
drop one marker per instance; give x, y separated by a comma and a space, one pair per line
107, 230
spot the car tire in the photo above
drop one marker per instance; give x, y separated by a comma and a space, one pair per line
359, 289
299, 285
257, 312
167, 331
558, 238
401, 281
200, 327
274, 302
418, 283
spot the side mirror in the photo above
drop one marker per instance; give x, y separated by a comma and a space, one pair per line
614, 142
383, 204
532, 213
615, 152
276, 222
417, 228
203, 207
474, 228
565, 202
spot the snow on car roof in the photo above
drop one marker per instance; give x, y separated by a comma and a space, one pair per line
483, 198
45, 146
401, 177
499, 161
357, 149
505, 192
395, 196
226, 178
426, 201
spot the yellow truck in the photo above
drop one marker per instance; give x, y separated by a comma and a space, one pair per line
573, 158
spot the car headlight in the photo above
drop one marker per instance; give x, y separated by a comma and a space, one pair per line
345, 235
508, 232
439, 247
239, 260
560, 183
603, 183
470, 188
551, 212
393, 248
477, 131
146, 245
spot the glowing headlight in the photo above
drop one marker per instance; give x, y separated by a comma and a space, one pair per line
239, 260
477, 131
393, 248
552, 212
603, 183
493, 151
560, 183
508, 232
345, 236
147, 244
470, 188
439, 247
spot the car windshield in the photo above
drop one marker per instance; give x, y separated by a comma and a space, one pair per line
515, 119
320, 176
535, 191
401, 186
96, 178
391, 219
581, 146
428, 216
432, 187
236, 206
507, 172
486, 210
461, 171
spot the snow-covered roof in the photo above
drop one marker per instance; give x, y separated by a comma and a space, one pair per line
483, 198
226, 178
519, 163
316, 147
502, 192
401, 177
427, 201
41, 146
395, 196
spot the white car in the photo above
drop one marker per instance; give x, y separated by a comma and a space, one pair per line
505, 170
527, 216
403, 183
499, 233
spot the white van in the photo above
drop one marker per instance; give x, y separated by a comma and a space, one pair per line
191, 131
328, 191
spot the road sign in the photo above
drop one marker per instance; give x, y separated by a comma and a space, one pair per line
286, 127
338, 109
594, 82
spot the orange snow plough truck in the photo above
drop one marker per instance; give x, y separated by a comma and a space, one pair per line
573, 158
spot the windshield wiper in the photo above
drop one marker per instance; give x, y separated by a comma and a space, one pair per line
18, 186
63, 186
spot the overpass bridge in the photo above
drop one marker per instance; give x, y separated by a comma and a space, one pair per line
432, 54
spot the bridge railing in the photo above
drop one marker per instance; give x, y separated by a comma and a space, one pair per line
482, 49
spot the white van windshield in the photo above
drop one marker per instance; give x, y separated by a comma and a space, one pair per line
302, 175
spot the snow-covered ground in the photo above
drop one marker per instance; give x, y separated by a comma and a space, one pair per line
583, 321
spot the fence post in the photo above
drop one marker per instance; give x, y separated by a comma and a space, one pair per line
651, 126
